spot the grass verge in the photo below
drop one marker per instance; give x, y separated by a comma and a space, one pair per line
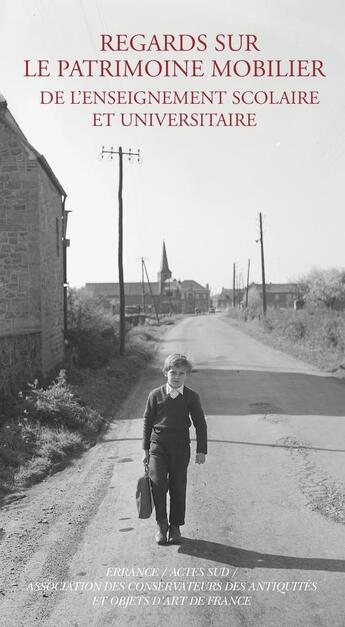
316, 337
41, 432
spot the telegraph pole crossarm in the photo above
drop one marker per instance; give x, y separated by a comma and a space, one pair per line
128, 154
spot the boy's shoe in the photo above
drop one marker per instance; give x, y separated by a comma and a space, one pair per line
174, 536
161, 535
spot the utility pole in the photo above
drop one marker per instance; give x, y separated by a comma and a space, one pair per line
143, 294
129, 154
150, 288
247, 289
239, 288
143, 283
264, 306
234, 285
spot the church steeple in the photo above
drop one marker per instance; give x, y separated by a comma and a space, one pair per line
164, 272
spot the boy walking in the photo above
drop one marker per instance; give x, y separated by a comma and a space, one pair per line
166, 444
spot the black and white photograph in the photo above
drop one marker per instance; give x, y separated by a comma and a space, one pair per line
172, 313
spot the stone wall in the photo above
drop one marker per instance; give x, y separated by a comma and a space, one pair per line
20, 361
19, 244
51, 273
31, 261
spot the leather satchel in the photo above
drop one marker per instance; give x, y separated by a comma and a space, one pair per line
144, 497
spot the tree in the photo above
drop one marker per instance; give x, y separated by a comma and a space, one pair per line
86, 311
254, 302
324, 286
92, 332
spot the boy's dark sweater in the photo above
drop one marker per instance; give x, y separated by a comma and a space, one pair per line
167, 418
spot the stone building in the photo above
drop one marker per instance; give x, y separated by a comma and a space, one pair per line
167, 295
226, 299
278, 295
32, 260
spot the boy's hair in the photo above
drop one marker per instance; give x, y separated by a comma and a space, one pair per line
176, 359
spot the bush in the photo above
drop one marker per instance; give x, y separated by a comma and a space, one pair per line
324, 287
254, 303
295, 330
268, 324
92, 348
314, 334
332, 331
57, 406
92, 332
315, 326
42, 430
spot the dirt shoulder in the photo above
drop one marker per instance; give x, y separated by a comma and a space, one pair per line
42, 526
43, 431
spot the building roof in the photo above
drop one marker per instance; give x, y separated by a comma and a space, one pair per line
9, 120
189, 284
277, 288
113, 289
164, 264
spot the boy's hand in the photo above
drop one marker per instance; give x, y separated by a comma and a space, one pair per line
146, 457
200, 458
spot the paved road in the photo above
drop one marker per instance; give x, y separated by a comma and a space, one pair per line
264, 542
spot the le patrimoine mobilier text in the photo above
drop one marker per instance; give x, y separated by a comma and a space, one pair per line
125, 58
131, 45
172, 68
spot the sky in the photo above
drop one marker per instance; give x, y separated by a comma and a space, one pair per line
199, 189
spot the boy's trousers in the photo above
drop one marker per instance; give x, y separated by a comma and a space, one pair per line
168, 471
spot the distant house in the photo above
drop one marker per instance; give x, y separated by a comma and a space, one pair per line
278, 295
109, 295
32, 260
194, 296
226, 298
167, 295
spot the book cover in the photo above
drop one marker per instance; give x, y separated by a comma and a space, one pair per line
224, 122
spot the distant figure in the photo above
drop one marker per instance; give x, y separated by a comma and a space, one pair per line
166, 444
298, 303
